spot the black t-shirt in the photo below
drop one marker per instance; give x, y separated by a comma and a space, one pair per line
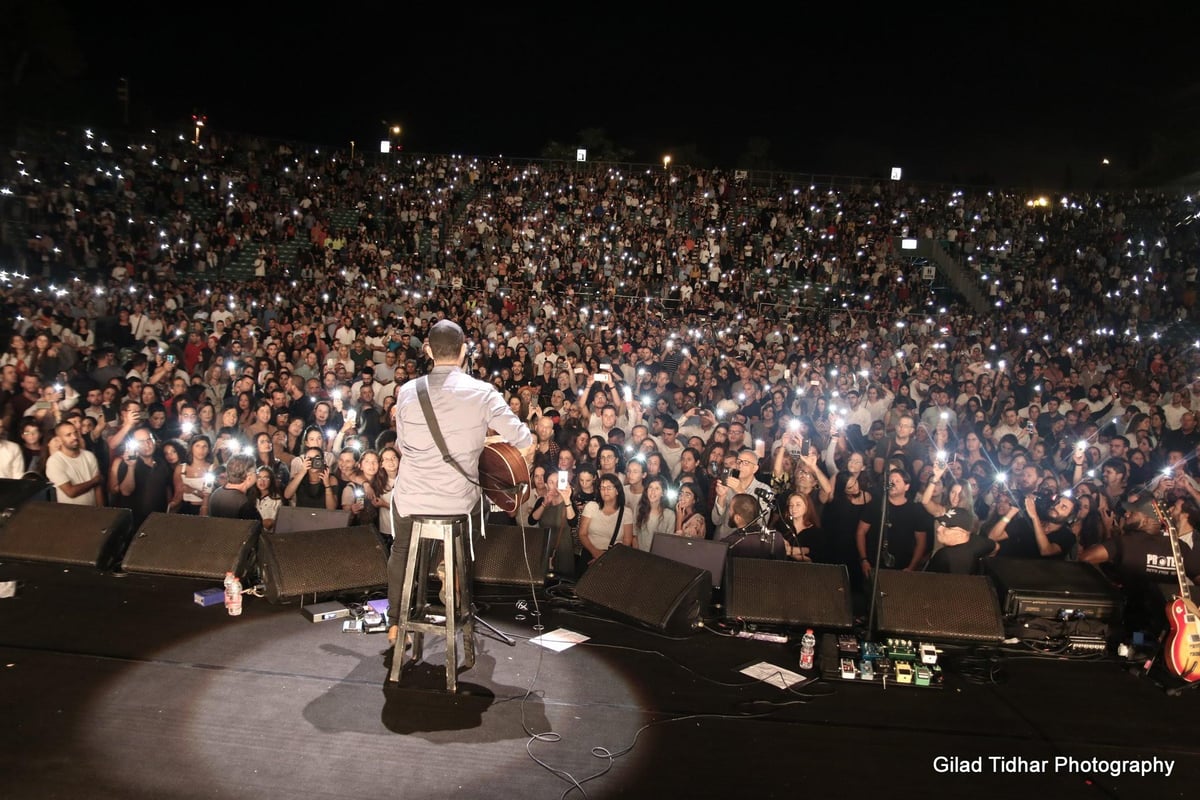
1143, 556
232, 504
152, 486
1065, 541
961, 559
903, 523
1022, 541
311, 495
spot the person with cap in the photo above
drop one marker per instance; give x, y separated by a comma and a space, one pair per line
959, 548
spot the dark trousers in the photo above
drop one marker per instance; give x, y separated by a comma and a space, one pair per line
398, 560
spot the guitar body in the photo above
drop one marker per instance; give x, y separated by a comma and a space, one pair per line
504, 475
1182, 649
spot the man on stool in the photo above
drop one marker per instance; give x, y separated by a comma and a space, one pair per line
426, 485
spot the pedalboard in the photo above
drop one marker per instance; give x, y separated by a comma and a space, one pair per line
892, 662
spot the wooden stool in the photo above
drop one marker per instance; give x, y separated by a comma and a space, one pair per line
414, 615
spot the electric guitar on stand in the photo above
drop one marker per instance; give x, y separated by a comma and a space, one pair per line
1182, 648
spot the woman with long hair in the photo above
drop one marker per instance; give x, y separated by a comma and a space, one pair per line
245, 409
804, 540
312, 437
17, 355
605, 522
536, 497
206, 415
940, 494
264, 456
691, 512
266, 496
593, 450
370, 482
1094, 521
654, 515
193, 477
389, 467
974, 450
260, 421
655, 467
852, 492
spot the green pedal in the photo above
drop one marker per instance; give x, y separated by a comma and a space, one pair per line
923, 676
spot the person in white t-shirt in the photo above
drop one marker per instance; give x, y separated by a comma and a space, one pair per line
73, 470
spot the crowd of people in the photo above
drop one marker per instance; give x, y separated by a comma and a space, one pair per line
697, 354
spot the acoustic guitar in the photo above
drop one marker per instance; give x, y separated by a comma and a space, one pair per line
1182, 648
504, 475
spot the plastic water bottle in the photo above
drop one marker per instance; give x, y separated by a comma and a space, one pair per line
233, 594
808, 649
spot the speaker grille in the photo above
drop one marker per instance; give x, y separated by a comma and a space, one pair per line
939, 606
193, 547
646, 588
66, 534
322, 562
500, 556
789, 593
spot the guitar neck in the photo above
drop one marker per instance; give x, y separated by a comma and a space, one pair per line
1177, 554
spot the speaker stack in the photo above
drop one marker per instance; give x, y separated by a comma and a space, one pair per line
938, 607
789, 593
646, 589
325, 562
65, 534
192, 547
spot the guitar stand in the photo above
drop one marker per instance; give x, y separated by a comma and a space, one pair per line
496, 632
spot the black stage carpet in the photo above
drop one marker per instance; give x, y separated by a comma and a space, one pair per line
122, 687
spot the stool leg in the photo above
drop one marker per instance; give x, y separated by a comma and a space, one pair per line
468, 610
450, 554
405, 610
421, 603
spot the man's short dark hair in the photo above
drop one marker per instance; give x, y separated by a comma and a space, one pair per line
743, 507
445, 339
669, 423
238, 467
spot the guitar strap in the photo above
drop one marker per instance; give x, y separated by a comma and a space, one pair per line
434, 430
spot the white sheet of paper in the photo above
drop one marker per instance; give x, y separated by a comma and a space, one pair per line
559, 639
776, 676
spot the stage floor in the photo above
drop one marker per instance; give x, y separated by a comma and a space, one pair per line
124, 688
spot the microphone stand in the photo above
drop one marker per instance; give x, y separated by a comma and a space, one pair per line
875, 568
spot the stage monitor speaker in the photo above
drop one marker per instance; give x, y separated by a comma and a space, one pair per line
67, 534
16, 493
699, 553
938, 607
302, 563
1046, 587
788, 593
646, 589
295, 518
510, 555
192, 547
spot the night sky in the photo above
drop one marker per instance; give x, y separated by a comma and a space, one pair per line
952, 92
